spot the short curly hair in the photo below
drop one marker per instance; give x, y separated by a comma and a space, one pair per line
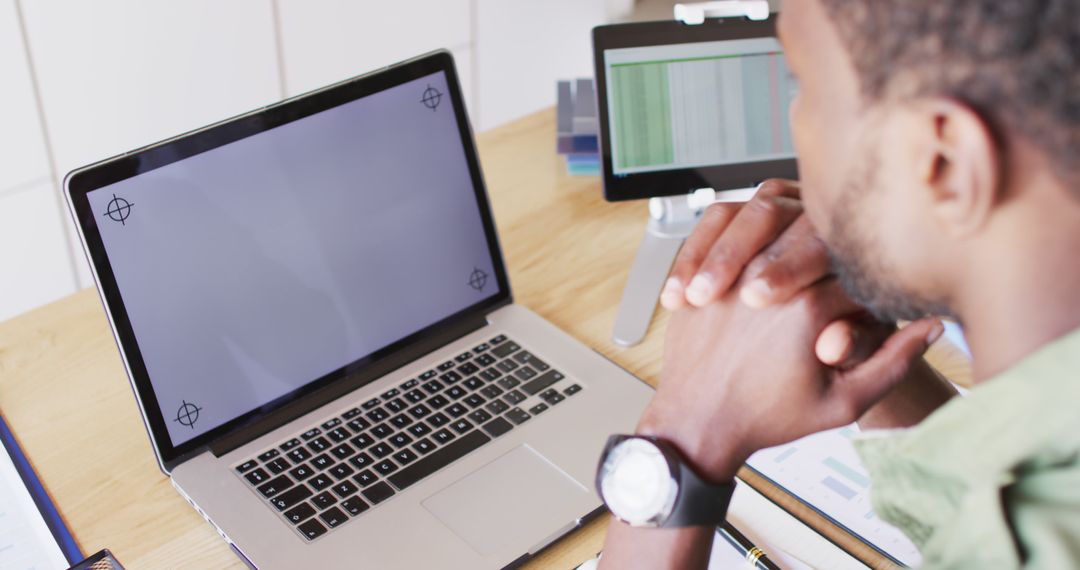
1017, 62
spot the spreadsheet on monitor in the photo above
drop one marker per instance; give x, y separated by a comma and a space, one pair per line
698, 104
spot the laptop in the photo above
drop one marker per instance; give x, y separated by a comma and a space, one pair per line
314, 314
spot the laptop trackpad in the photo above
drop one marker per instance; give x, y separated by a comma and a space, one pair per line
511, 503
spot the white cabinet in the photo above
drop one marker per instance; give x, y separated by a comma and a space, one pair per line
114, 75
523, 47
35, 263
323, 41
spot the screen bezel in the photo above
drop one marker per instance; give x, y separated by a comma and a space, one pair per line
674, 182
80, 182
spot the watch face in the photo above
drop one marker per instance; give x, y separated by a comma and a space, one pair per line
637, 484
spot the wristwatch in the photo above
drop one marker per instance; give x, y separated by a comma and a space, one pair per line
645, 482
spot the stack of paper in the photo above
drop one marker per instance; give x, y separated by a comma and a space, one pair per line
579, 127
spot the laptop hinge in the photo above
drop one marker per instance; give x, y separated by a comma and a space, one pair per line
335, 390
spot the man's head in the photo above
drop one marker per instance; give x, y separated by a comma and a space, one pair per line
929, 133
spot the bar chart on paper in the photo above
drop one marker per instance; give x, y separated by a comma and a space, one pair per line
825, 472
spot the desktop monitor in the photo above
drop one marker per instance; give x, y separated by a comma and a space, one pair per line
685, 107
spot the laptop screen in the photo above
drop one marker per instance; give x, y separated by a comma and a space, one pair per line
254, 268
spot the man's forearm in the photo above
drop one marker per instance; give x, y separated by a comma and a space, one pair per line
911, 401
629, 548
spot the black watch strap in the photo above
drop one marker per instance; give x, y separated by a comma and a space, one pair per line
699, 503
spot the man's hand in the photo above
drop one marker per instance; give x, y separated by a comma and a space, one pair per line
738, 379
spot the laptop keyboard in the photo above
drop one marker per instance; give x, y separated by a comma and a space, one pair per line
346, 465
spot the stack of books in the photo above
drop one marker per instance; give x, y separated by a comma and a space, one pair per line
579, 126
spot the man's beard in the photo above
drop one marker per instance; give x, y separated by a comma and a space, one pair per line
858, 258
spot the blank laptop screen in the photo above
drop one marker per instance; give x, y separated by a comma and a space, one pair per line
252, 269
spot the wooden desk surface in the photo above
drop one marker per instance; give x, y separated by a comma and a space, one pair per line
65, 395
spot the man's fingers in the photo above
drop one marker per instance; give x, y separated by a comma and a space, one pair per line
856, 390
757, 225
796, 260
713, 222
848, 343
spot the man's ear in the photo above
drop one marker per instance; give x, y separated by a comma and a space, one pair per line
960, 163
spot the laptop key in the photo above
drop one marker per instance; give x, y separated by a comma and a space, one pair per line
300, 513
491, 374
456, 392
438, 420
378, 493
415, 396
419, 430
525, 373
474, 400
338, 434
302, 472
358, 424
514, 397
331, 424
341, 471
461, 426
312, 529
405, 457
385, 467
574, 389
537, 409
322, 462
424, 446
344, 489
400, 440
443, 436
361, 461
481, 347
350, 414
269, 455
497, 427
526, 357
463, 357
246, 466
414, 382
299, 455
552, 397
319, 444
543, 382
323, 500
396, 405
505, 349
343, 451
518, 416
377, 415
438, 459
491, 391
437, 401
382, 430
370, 404
509, 382
278, 465
333, 517
433, 386
381, 450
457, 410
289, 444
446, 366
365, 478
401, 421
320, 481
427, 375
485, 360
498, 339
497, 407
450, 378
474, 383
354, 505
275, 486
391, 393
468, 368
479, 416
257, 476
420, 410
311, 434
507, 366
290, 498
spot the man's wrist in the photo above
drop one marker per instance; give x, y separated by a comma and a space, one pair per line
713, 456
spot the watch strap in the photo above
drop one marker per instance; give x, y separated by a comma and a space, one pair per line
699, 503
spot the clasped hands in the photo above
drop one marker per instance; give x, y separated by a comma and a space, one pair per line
764, 346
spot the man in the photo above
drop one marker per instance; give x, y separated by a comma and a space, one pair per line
939, 147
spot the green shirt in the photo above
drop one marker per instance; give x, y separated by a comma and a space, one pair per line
991, 480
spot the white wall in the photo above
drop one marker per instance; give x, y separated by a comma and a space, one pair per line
86, 80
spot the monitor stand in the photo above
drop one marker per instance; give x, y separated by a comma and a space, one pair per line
670, 222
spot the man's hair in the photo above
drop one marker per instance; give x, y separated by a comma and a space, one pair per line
1016, 62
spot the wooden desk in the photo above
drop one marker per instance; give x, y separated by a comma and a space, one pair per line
65, 395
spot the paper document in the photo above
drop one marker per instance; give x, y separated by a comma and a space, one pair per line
25, 539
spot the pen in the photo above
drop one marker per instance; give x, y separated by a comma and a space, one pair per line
753, 554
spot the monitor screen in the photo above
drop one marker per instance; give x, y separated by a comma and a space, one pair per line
250, 270
691, 105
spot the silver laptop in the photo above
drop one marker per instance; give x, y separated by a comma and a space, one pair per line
314, 314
